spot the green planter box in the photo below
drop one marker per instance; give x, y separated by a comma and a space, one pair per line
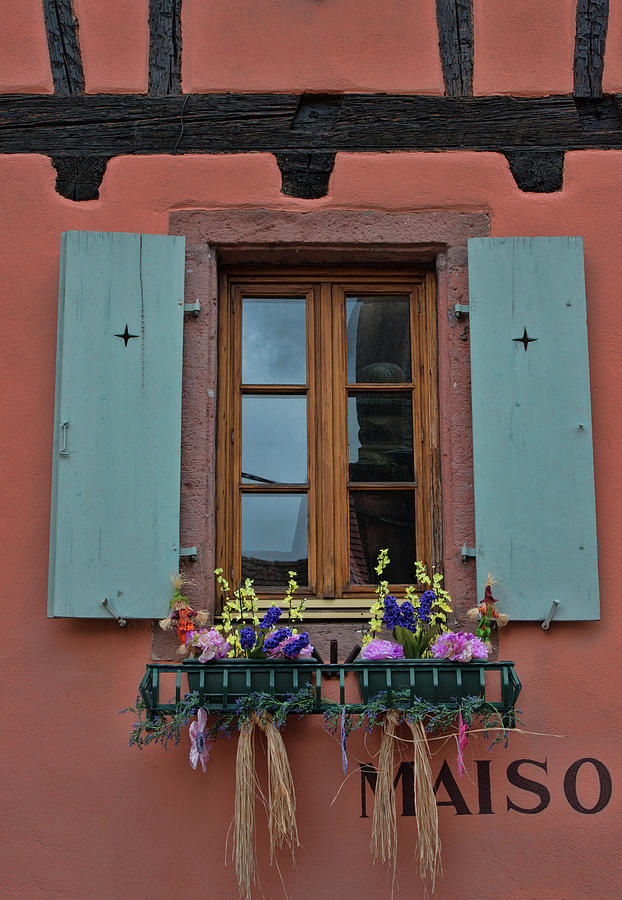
221, 683
440, 681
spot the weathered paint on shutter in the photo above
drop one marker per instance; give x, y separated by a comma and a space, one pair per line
116, 464
532, 428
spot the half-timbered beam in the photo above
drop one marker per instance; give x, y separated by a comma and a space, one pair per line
164, 47
113, 124
589, 51
65, 58
455, 40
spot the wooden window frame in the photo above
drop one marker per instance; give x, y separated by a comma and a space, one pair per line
328, 544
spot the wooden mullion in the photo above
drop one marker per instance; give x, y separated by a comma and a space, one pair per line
236, 435
382, 485
338, 393
269, 389
224, 482
323, 440
417, 361
314, 411
434, 490
273, 488
391, 386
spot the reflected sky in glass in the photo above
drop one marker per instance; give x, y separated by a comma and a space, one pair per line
274, 439
274, 340
274, 526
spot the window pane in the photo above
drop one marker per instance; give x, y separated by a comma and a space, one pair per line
274, 341
378, 336
382, 519
274, 537
380, 437
274, 439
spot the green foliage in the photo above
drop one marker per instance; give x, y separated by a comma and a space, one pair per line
240, 610
301, 703
164, 727
161, 728
416, 643
437, 718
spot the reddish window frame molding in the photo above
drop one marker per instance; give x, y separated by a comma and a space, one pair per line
258, 236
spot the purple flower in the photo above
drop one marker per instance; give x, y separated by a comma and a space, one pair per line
291, 646
247, 638
379, 649
200, 741
273, 640
271, 617
426, 602
407, 615
392, 614
459, 646
212, 644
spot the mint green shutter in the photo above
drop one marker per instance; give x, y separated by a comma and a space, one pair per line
117, 425
532, 429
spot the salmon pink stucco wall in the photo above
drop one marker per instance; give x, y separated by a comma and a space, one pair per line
114, 42
523, 48
24, 59
311, 45
83, 815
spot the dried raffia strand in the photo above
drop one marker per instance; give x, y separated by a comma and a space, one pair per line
384, 823
281, 793
426, 811
244, 815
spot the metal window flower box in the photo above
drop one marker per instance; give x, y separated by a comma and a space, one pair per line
220, 684
441, 681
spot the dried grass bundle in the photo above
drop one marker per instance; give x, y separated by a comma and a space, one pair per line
426, 811
384, 823
281, 802
244, 814
281, 793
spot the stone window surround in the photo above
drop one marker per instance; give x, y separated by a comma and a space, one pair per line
267, 236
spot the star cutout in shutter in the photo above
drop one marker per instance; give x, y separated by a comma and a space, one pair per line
524, 340
127, 336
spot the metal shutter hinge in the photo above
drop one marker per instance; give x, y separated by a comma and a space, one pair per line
194, 308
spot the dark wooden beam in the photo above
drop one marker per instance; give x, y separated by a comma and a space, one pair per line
79, 177
164, 47
113, 124
455, 40
589, 49
537, 171
65, 60
305, 175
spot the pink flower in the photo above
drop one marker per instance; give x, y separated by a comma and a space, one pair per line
200, 741
462, 742
459, 646
379, 649
212, 644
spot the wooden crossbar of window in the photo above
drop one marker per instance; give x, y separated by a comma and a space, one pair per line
328, 430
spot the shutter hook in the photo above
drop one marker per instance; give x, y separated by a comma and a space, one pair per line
106, 604
64, 428
547, 622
